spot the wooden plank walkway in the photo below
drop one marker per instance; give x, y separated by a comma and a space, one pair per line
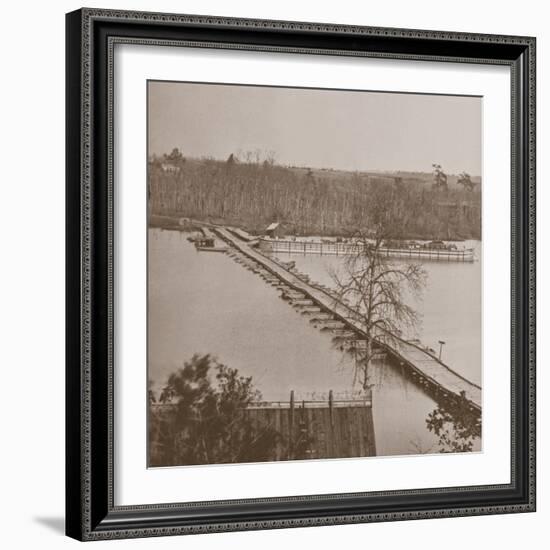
242, 234
415, 357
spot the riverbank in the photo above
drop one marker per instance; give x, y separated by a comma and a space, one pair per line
177, 222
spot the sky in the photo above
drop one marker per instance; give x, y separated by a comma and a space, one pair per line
347, 130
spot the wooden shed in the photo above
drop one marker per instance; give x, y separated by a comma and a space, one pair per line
274, 230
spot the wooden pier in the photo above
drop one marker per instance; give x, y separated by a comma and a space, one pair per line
427, 370
328, 428
243, 235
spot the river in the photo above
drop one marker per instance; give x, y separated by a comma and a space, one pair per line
449, 306
203, 302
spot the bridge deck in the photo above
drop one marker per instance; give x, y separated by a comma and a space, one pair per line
242, 234
410, 354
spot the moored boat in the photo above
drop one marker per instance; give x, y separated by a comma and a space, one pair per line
433, 250
208, 244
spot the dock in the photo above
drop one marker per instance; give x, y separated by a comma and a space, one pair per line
334, 248
424, 367
313, 427
243, 235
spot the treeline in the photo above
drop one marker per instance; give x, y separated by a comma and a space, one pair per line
310, 202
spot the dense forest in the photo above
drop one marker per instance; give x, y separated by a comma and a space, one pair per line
308, 201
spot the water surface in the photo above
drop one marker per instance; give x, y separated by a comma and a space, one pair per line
204, 302
449, 307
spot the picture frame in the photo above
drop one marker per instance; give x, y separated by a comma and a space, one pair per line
91, 328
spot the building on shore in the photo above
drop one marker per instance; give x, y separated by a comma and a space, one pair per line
273, 230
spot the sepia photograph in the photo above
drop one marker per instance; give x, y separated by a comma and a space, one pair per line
314, 273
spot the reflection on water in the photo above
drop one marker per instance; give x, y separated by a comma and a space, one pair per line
400, 409
449, 308
204, 302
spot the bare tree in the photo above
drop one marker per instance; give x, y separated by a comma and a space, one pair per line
374, 286
440, 178
465, 180
249, 196
270, 157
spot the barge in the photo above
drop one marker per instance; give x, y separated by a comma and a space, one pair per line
432, 251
